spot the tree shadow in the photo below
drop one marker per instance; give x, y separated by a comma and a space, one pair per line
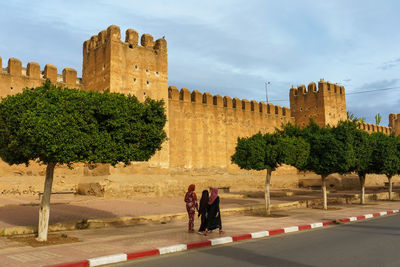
28, 215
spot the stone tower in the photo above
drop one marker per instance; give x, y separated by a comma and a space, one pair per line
126, 67
394, 123
327, 105
129, 68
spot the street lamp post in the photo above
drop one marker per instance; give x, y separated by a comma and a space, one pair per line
266, 90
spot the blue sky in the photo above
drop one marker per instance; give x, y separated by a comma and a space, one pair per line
230, 47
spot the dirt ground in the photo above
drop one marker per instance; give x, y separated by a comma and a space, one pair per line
52, 239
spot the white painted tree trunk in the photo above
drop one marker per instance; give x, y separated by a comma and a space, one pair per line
390, 187
44, 211
324, 192
362, 183
267, 194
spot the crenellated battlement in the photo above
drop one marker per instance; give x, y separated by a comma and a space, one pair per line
326, 105
372, 128
323, 88
113, 33
184, 95
14, 77
32, 71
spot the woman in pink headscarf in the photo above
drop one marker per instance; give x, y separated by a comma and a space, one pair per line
191, 206
213, 214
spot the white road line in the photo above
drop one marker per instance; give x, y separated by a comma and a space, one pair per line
172, 249
291, 229
221, 240
107, 259
316, 225
259, 234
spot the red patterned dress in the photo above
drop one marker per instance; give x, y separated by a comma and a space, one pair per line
191, 207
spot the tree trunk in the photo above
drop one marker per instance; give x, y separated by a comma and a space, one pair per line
267, 194
362, 183
324, 192
44, 212
390, 187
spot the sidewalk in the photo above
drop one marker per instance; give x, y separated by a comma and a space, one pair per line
102, 242
109, 241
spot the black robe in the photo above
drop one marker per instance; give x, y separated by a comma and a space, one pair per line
213, 221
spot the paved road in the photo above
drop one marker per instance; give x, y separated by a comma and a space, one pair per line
374, 242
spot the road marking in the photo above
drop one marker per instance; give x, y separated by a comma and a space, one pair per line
368, 216
352, 219
107, 259
382, 213
291, 229
259, 234
221, 240
172, 249
316, 225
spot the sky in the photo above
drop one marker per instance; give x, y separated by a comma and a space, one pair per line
231, 47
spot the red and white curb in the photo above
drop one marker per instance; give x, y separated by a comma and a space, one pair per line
212, 242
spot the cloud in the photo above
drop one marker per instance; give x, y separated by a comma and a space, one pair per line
390, 64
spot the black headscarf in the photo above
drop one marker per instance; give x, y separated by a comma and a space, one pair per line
204, 202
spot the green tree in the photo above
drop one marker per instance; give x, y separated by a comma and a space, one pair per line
54, 125
386, 156
330, 151
268, 152
362, 148
352, 117
378, 119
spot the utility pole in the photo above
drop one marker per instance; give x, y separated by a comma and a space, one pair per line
266, 90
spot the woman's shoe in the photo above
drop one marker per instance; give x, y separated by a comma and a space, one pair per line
206, 232
221, 232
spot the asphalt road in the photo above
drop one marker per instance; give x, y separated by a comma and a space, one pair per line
374, 242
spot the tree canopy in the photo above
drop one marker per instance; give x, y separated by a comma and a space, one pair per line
268, 152
61, 125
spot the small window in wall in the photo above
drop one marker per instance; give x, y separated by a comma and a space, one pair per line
134, 80
136, 67
11, 88
147, 82
130, 46
104, 66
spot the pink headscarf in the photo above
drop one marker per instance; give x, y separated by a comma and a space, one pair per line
214, 195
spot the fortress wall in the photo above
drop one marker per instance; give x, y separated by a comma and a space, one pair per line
372, 128
327, 105
203, 129
394, 123
14, 77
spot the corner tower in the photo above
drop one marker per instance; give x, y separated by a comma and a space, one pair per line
126, 67
327, 105
394, 123
129, 68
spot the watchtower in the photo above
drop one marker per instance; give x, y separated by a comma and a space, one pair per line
394, 123
126, 67
327, 105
